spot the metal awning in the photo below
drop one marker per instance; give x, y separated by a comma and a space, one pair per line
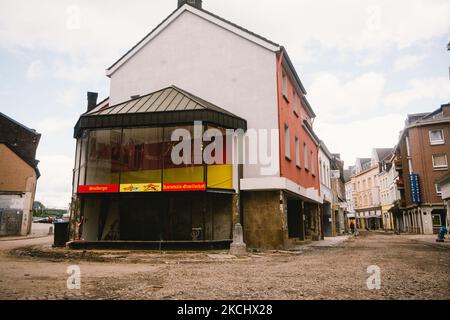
169, 106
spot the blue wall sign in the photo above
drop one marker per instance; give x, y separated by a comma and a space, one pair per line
415, 188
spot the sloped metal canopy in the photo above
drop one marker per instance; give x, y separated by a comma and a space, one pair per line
169, 106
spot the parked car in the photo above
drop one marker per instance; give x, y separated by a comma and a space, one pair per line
39, 220
45, 220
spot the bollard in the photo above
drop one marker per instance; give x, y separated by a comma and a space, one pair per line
238, 247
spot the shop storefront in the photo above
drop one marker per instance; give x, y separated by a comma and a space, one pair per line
158, 178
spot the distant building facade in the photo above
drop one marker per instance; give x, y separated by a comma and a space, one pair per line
325, 189
389, 182
350, 212
18, 176
366, 190
339, 203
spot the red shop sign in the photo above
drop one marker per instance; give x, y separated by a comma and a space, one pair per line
99, 188
188, 186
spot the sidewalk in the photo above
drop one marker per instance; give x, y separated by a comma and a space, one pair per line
330, 242
38, 230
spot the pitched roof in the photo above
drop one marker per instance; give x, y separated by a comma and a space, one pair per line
32, 131
170, 105
172, 16
100, 106
165, 100
347, 175
363, 161
383, 153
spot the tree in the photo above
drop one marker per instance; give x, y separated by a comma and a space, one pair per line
38, 209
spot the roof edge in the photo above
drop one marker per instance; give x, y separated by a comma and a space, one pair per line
203, 14
32, 131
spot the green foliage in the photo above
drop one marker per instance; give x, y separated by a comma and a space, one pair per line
39, 210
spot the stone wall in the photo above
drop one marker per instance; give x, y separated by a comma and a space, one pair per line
265, 222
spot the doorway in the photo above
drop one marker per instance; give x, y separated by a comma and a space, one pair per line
294, 211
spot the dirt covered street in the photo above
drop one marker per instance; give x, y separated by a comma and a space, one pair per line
412, 267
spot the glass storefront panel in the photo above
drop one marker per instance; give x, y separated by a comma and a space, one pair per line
218, 157
83, 158
141, 155
147, 160
76, 170
187, 171
103, 159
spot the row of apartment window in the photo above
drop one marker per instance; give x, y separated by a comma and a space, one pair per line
388, 197
366, 184
363, 201
296, 98
308, 155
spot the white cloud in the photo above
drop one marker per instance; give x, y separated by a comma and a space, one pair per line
108, 29
353, 139
434, 88
36, 70
333, 98
363, 27
54, 185
408, 62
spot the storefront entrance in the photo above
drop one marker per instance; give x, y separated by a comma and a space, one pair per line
185, 216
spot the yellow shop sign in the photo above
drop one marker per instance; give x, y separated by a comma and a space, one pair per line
141, 187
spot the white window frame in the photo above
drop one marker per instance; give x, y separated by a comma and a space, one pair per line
284, 84
295, 103
313, 167
438, 189
444, 167
437, 142
297, 153
305, 156
287, 142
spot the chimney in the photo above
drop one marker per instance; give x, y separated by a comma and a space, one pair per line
194, 3
92, 100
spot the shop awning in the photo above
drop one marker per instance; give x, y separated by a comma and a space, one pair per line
169, 106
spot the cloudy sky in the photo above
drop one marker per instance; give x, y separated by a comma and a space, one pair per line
365, 64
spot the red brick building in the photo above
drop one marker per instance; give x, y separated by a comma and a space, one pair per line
423, 154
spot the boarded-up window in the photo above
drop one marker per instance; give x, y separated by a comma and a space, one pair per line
440, 161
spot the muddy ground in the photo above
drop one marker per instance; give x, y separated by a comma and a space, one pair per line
412, 267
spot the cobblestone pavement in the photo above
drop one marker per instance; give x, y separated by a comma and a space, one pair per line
412, 267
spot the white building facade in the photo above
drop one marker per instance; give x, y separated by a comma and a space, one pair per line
325, 189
